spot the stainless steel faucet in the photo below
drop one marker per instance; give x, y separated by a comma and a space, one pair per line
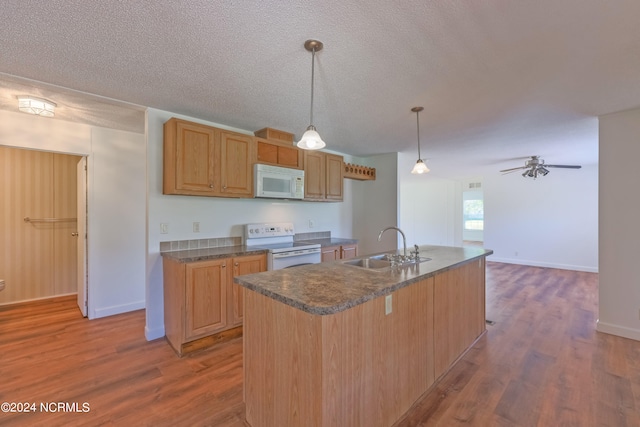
404, 238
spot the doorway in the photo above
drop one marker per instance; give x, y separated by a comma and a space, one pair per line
473, 215
38, 224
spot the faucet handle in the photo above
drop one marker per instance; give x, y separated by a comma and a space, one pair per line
415, 253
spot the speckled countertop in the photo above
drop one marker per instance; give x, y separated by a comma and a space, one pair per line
202, 254
332, 287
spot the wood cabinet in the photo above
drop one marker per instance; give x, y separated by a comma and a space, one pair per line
333, 253
279, 154
459, 312
201, 302
243, 265
323, 176
383, 354
202, 160
358, 367
205, 298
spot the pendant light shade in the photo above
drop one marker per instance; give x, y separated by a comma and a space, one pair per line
419, 167
311, 139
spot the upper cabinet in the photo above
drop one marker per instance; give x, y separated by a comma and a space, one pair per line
201, 160
276, 147
323, 176
278, 154
236, 164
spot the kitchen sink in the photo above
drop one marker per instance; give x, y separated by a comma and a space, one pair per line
372, 263
378, 262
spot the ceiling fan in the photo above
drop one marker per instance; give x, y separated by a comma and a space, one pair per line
535, 167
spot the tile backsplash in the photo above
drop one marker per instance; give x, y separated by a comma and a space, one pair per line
182, 245
311, 236
218, 242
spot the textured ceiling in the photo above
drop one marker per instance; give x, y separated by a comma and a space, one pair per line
499, 80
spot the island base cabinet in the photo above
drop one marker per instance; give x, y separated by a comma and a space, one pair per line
459, 312
358, 367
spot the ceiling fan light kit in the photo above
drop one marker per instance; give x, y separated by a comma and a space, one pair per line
419, 168
535, 167
311, 138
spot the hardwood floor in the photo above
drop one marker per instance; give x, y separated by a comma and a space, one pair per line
540, 364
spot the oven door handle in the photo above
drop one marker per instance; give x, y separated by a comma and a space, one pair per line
296, 253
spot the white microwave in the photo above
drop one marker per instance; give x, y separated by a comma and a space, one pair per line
278, 183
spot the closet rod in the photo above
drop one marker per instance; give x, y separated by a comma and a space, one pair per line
27, 219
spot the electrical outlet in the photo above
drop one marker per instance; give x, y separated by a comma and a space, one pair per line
164, 228
312, 223
196, 227
388, 304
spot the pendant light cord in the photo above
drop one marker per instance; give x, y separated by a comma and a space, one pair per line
313, 61
418, 123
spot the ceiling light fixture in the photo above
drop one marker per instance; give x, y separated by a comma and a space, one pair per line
38, 106
311, 139
419, 167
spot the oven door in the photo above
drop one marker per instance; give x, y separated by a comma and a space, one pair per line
294, 258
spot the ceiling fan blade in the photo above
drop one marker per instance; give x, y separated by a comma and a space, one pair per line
514, 169
563, 166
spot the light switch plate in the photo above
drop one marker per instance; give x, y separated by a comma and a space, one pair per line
388, 304
164, 228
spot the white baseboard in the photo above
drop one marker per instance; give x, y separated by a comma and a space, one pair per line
117, 309
153, 333
621, 331
544, 264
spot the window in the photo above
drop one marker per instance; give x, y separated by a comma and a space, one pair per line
473, 214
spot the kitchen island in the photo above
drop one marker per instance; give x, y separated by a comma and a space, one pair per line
334, 344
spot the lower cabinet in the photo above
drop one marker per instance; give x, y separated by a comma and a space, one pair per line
459, 312
202, 305
333, 253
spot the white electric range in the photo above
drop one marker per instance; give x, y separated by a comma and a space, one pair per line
283, 252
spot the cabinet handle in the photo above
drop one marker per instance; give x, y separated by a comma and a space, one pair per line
210, 185
224, 265
224, 188
236, 264
74, 234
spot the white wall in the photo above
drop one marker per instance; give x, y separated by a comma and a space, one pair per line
430, 207
375, 205
619, 305
551, 221
116, 202
218, 217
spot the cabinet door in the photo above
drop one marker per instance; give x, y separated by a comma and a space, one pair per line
235, 164
206, 298
190, 152
278, 154
290, 157
334, 177
330, 253
348, 251
243, 265
267, 153
314, 175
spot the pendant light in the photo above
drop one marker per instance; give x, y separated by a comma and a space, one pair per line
311, 139
419, 167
